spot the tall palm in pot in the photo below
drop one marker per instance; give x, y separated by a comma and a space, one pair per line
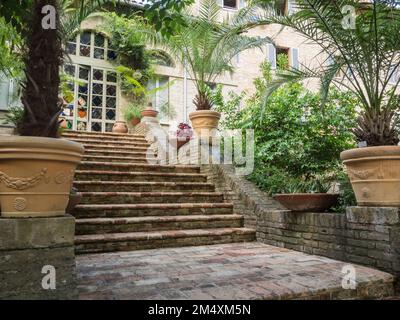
207, 45
36, 169
360, 50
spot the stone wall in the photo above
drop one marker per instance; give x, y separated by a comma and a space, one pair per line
363, 235
247, 199
26, 246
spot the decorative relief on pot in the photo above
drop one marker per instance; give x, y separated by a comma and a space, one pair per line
365, 192
23, 183
361, 174
20, 204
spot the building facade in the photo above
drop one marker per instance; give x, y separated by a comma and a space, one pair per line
98, 101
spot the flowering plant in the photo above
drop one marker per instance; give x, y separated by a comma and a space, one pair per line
184, 131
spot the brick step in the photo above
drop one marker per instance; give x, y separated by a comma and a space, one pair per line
126, 186
142, 224
111, 153
102, 175
151, 209
105, 147
160, 239
130, 167
141, 160
139, 143
69, 133
150, 197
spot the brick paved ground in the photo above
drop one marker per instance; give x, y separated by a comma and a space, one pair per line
229, 271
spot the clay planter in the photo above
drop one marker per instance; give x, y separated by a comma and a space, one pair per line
205, 122
148, 112
74, 200
374, 173
120, 127
180, 142
63, 123
82, 113
135, 121
310, 202
36, 175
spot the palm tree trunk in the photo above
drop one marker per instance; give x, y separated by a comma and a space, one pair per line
43, 61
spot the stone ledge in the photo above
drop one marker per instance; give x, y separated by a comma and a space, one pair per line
27, 245
373, 215
17, 234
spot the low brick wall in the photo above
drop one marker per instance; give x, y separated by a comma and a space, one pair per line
363, 235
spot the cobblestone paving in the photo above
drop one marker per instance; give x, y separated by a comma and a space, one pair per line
229, 271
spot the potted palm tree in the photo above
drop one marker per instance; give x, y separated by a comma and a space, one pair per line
37, 168
132, 113
206, 46
364, 58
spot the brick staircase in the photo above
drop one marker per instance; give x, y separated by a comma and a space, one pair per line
130, 205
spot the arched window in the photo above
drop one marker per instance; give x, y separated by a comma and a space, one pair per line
91, 45
162, 58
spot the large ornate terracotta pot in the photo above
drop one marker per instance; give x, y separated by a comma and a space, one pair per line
374, 173
205, 122
36, 175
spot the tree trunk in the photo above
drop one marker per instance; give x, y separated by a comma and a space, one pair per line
42, 62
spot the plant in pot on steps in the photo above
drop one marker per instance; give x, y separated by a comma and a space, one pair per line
37, 168
365, 60
132, 113
207, 47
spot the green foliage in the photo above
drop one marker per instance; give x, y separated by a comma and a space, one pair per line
207, 46
10, 50
133, 87
132, 111
347, 197
129, 37
366, 55
166, 15
229, 108
282, 61
14, 116
297, 142
167, 111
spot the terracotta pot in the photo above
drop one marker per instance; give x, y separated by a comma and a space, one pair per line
74, 200
36, 175
63, 123
82, 113
120, 127
149, 113
311, 202
374, 173
205, 122
135, 121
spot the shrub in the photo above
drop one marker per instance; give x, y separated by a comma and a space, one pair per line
132, 111
297, 142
